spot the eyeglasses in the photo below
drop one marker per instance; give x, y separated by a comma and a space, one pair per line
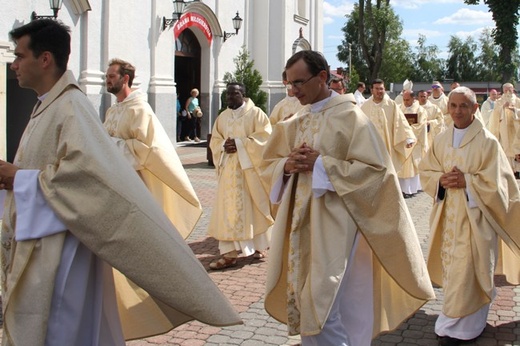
298, 83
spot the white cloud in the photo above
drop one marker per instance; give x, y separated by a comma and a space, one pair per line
465, 16
335, 9
414, 4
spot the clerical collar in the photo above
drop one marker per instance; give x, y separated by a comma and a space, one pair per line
318, 106
41, 98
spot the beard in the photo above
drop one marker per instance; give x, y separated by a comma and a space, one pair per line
115, 88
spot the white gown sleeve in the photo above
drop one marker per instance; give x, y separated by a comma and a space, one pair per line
35, 218
320, 179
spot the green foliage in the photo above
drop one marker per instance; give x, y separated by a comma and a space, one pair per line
428, 67
506, 16
461, 64
246, 74
378, 51
488, 69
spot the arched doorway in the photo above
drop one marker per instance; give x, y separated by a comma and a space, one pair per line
187, 65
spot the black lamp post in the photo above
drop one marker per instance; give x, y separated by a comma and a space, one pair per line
55, 7
237, 24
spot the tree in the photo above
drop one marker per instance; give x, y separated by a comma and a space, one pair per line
461, 64
488, 58
427, 66
246, 74
505, 14
378, 51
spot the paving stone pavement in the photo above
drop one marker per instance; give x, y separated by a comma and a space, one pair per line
244, 286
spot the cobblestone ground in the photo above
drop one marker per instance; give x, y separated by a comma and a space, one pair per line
244, 286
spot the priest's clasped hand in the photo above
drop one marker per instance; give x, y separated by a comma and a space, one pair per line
230, 146
453, 179
301, 159
7, 173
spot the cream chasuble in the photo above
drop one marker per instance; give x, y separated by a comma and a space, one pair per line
505, 124
420, 129
435, 120
103, 203
242, 209
462, 250
392, 127
284, 109
441, 102
133, 122
313, 237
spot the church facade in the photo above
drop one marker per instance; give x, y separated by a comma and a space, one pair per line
171, 55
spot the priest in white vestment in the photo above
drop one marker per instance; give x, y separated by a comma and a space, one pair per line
391, 124
488, 107
141, 138
345, 262
474, 220
438, 97
418, 119
74, 210
286, 108
435, 116
505, 123
407, 86
241, 217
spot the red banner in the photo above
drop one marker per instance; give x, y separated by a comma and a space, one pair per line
190, 19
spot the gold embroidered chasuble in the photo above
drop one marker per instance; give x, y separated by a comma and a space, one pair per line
242, 209
134, 121
313, 237
505, 123
410, 166
435, 120
392, 127
462, 251
99, 197
441, 102
284, 109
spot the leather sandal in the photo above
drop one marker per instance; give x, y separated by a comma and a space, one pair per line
223, 262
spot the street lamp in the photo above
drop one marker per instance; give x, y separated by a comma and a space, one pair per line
55, 7
237, 24
178, 10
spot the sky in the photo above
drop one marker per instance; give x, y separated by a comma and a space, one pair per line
438, 20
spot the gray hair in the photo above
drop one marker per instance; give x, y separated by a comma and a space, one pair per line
470, 94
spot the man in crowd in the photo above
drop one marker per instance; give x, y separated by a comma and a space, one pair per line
358, 94
438, 98
488, 106
418, 119
505, 123
435, 116
74, 210
407, 86
287, 107
391, 124
342, 254
140, 137
241, 217
338, 85
476, 207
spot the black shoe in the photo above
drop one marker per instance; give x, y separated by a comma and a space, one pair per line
449, 341
407, 195
517, 175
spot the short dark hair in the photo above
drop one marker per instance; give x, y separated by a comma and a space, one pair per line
125, 68
360, 84
241, 86
46, 35
377, 81
315, 61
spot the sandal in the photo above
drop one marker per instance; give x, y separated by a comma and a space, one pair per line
259, 254
223, 262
